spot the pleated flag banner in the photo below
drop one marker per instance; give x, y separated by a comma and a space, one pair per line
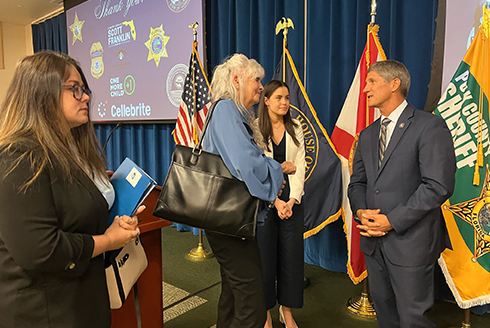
464, 107
323, 179
353, 118
195, 97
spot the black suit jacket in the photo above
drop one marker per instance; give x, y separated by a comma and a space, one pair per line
415, 178
47, 275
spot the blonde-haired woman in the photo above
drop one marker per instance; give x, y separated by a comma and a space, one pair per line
236, 85
55, 199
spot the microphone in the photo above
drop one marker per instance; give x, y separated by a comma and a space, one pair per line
118, 125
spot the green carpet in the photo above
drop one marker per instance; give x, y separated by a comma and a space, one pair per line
324, 299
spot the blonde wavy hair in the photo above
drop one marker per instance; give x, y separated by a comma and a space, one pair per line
222, 83
32, 120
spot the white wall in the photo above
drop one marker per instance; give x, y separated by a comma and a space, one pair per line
17, 43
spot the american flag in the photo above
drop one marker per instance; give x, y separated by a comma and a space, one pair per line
189, 125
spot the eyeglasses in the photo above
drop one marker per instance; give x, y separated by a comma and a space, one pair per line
78, 91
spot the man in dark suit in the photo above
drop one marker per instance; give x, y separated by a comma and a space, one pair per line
403, 171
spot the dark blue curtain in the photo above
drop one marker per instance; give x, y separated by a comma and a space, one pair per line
248, 27
50, 34
148, 145
336, 36
337, 33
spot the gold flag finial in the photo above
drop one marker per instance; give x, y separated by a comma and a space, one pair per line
373, 11
194, 29
284, 24
486, 19
484, 39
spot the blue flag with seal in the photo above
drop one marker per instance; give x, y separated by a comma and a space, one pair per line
323, 177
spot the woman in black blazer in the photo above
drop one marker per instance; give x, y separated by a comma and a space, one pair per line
55, 199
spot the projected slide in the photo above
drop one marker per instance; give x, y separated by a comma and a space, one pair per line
463, 19
134, 54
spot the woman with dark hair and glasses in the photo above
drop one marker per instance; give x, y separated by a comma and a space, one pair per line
55, 198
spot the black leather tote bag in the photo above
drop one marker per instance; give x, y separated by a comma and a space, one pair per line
200, 191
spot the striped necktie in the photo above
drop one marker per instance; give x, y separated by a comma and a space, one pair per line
382, 140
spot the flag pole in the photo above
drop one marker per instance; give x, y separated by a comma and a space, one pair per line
466, 323
284, 45
362, 305
284, 24
374, 5
484, 49
194, 100
198, 253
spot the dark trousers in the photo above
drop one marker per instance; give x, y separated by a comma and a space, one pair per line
401, 295
241, 304
282, 251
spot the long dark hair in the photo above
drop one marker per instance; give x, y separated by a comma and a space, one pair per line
265, 125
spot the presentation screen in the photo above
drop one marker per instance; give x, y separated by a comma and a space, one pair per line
135, 55
463, 19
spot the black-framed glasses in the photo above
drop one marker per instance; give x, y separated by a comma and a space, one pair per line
78, 91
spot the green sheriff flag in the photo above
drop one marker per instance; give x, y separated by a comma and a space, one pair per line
464, 107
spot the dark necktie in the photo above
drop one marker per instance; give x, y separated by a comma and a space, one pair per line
382, 140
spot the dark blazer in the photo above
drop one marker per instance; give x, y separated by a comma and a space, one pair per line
415, 178
47, 275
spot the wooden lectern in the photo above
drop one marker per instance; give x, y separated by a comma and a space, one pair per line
150, 293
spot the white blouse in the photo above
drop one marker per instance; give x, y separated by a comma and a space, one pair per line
106, 189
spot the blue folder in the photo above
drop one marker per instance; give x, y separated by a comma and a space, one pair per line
132, 185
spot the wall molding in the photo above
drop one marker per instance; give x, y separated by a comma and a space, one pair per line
1, 47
